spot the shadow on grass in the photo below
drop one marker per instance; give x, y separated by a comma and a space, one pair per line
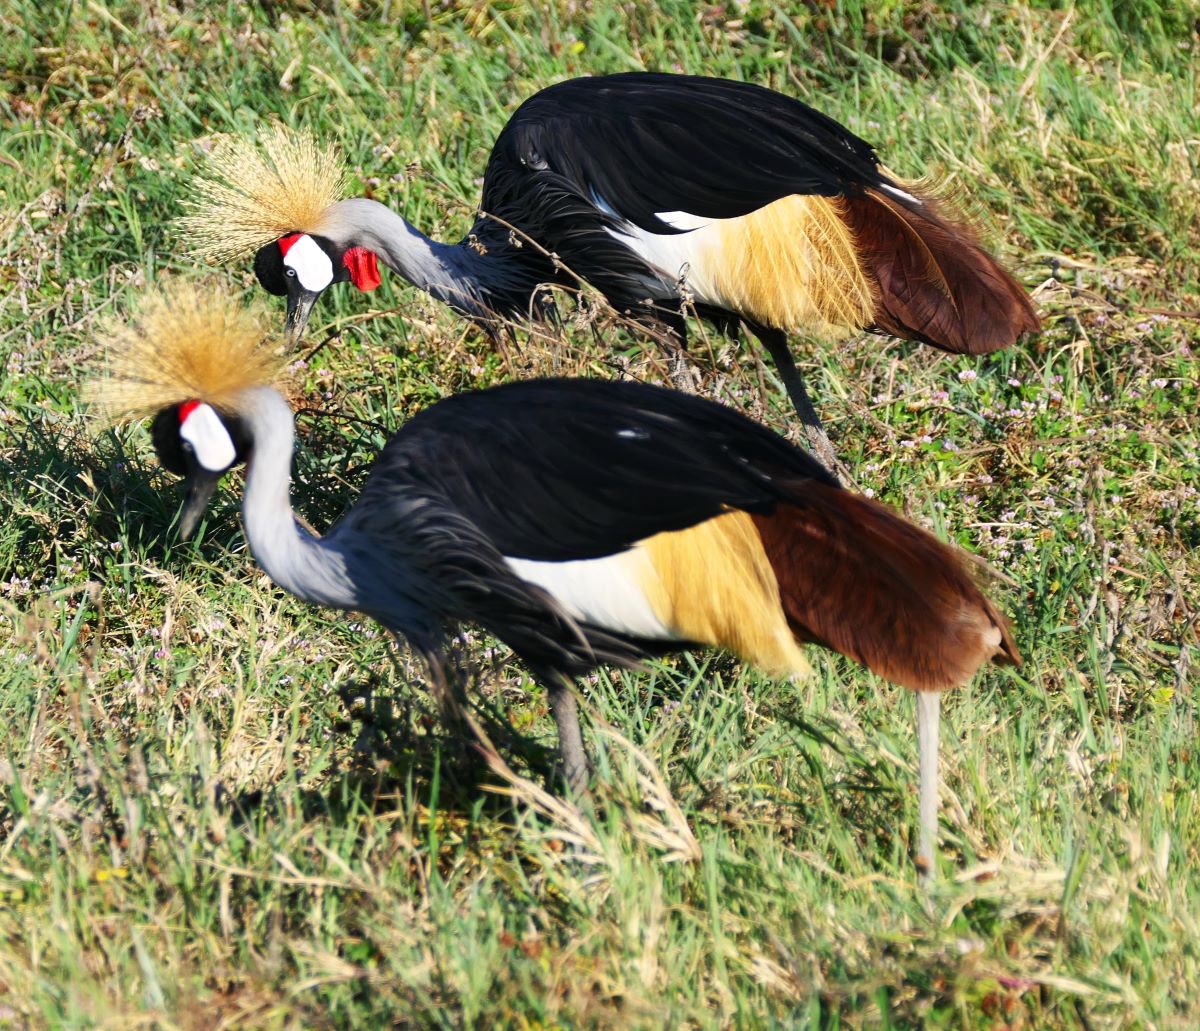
89, 491
402, 748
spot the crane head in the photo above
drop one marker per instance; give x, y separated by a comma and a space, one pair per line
301, 266
200, 443
188, 357
273, 196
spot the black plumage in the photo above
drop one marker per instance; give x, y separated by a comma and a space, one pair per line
643, 143
579, 158
562, 469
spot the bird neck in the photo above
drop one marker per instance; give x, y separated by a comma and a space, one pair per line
453, 273
293, 558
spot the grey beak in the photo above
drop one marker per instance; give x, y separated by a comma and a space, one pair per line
200, 486
299, 306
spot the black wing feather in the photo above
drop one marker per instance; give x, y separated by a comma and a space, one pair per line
468, 581
579, 159
644, 142
556, 470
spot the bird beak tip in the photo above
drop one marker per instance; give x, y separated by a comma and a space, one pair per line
201, 484
187, 525
299, 308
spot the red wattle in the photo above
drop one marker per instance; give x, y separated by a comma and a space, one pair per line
363, 267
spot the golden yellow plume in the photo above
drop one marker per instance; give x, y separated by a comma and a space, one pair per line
252, 192
792, 265
185, 341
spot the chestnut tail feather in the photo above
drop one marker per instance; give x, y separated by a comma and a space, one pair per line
936, 284
857, 578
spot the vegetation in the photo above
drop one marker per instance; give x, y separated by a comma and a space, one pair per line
220, 808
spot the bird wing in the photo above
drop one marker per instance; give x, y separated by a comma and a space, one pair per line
463, 578
625, 177
558, 470
640, 144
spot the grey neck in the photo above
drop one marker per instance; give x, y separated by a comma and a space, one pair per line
452, 273
294, 559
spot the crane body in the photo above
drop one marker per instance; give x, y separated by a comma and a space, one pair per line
582, 522
663, 192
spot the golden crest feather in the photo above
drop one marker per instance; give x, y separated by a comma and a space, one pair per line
254, 191
186, 341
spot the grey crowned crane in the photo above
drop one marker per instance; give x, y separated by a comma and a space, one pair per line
581, 522
653, 188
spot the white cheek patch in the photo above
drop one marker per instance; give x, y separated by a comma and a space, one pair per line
211, 443
312, 265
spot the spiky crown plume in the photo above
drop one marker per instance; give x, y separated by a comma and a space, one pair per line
253, 191
185, 341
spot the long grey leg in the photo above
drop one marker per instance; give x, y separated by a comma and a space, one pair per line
776, 344
570, 740
928, 712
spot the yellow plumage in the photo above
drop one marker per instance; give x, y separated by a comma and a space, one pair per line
255, 191
791, 265
712, 584
184, 342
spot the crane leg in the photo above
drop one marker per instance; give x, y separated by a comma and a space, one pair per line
570, 740
775, 341
928, 718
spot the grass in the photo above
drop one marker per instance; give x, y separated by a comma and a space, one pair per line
221, 808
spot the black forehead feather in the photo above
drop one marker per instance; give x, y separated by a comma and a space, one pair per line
268, 267
167, 442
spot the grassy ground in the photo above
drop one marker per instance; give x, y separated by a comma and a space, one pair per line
220, 808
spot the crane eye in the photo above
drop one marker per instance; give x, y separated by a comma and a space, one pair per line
291, 273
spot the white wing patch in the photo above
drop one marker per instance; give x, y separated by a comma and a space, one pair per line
606, 592
897, 192
209, 439
682, 220
311, 264
681, 257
